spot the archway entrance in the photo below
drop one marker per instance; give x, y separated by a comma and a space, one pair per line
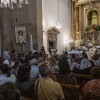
52, 39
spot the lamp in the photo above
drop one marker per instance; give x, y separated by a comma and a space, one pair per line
59, 24
10, 3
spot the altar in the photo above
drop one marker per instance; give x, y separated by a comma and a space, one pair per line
86, 19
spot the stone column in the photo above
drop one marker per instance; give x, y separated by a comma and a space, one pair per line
39, 24
76, 22
80, 22
0, 44
72, 20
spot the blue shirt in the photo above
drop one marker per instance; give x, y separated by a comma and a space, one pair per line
34, 72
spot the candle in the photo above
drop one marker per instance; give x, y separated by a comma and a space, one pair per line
31, 43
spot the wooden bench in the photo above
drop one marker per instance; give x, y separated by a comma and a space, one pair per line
91, 96
84, 76
26, 98
82, 79
65, 78
71, 92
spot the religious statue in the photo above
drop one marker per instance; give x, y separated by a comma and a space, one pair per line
20, 36
94, 18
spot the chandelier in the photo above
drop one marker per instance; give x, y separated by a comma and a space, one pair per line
11, 3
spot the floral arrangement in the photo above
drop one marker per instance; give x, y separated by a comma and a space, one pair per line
92, 28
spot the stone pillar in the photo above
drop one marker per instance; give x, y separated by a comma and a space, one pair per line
80, 22
39, 24
72, 20
0, 44
76, 22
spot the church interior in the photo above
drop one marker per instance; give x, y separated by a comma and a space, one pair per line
50, 43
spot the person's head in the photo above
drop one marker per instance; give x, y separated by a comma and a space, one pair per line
42, 47
30, 53
23, 73
77, 60
27, 59
8, 91
5, 69
33, 61
40, 59
84, 55
12, 51
44, 69
53, 61
95, 72
73, 56
96, 56
13, 57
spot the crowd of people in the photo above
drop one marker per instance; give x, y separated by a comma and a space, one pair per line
34, 74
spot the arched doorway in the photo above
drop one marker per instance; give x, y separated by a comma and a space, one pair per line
93, 18
52, 38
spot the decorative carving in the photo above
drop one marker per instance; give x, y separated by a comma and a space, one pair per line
53, 30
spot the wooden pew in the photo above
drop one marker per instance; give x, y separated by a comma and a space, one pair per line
71, 91
84, 76
91, 96
26, 98
82, 79
65, 78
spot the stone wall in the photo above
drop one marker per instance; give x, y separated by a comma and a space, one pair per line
50, 19
29, 16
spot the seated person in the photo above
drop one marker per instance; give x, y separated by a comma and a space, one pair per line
93, 86
85, 63
95, 60
42, 90
6, 76
75, 65
54, 66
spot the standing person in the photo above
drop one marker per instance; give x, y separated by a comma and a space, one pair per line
34, 71
43, 92
42, 51
13, 52
50, 51
6, 54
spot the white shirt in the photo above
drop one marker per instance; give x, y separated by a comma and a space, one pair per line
74, 65
96, 62
85, 64
5, 79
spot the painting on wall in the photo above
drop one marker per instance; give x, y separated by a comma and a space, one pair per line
20, 33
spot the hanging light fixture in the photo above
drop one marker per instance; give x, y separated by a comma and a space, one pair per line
10, 3
59, 24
